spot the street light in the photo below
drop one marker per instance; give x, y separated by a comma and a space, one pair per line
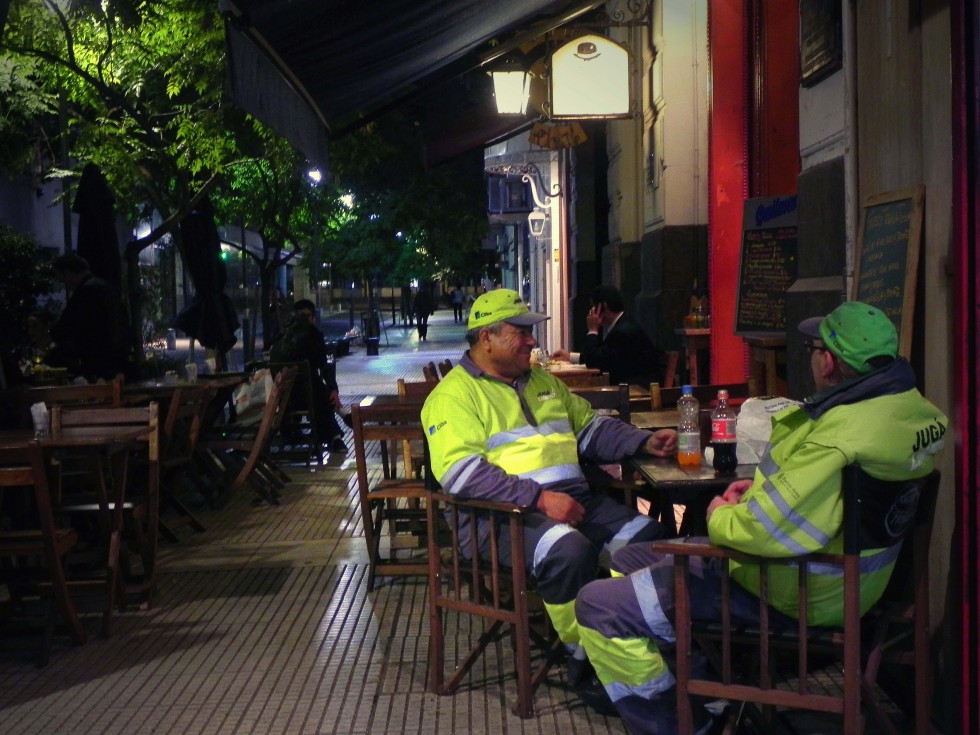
511, 90
536, 221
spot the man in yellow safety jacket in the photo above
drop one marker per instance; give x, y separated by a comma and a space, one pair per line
867, 411
499, 429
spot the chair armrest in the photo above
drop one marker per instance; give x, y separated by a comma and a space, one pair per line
678, 548
488, 505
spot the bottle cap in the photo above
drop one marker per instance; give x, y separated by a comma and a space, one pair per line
686, 390
723, 393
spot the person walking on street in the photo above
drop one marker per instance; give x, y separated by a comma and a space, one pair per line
457, 298
423, 307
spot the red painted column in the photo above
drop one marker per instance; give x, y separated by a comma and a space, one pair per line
727, 179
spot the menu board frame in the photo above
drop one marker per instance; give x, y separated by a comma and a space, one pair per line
769, 247
887, 254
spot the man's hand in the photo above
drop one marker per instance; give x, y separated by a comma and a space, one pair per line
733, 493
662, 443
593, 320
562, 355
560, 507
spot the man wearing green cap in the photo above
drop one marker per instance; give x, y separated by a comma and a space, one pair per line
499, 429
866, 410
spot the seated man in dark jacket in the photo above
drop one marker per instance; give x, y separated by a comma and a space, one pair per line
90, 336
624, 350
301, 340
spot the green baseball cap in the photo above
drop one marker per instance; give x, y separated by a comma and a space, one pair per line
859, 334
502, 305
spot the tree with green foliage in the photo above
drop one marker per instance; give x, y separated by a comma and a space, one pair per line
25, 274
273, 195
140, 88
407, 221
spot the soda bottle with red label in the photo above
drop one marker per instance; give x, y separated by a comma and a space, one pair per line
723, 436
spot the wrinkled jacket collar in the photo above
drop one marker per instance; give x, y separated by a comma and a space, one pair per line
896, 377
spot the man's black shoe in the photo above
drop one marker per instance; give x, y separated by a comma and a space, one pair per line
348, 419
578, 670
337, 445
595, 696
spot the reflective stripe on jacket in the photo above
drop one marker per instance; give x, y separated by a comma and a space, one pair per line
795, 506
493, 439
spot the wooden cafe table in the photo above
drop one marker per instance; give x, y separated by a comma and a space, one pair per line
667, 484
112, 450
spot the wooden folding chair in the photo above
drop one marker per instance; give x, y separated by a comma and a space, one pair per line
181, 432
391, 503
418, 390
298, 437
468, 581
132, 511
240, 453
33, 547
445, 366
430, 373
874, 514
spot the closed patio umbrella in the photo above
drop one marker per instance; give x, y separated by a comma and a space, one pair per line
98, 241
210, 316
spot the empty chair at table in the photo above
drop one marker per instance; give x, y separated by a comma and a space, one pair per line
181, 432
390, 499
238, 455
33, 547
123, 498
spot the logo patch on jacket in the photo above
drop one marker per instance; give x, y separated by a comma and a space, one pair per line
435, 427
546, 395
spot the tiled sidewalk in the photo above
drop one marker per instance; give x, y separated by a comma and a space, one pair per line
262, 624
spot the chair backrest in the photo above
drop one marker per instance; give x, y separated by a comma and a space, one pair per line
182, 425
109, 393
661, 397
96, 394
583, 380
415, 388
79, 422
608, 398
386, 423
445, 366
430, 373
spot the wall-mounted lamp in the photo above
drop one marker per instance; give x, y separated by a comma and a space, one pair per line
590, 77
511, 90
536, 221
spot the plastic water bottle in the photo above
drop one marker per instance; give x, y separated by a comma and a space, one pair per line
723, 435
688, 429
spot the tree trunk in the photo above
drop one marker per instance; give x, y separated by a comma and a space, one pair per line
135, 298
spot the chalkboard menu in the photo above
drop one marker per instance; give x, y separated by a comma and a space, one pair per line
887, 258
767, 266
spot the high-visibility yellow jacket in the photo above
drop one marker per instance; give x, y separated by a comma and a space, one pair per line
794, 506
492, 439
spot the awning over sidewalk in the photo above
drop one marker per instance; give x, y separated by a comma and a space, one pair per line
313, 69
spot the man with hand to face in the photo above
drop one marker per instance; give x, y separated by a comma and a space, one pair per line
501, 430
